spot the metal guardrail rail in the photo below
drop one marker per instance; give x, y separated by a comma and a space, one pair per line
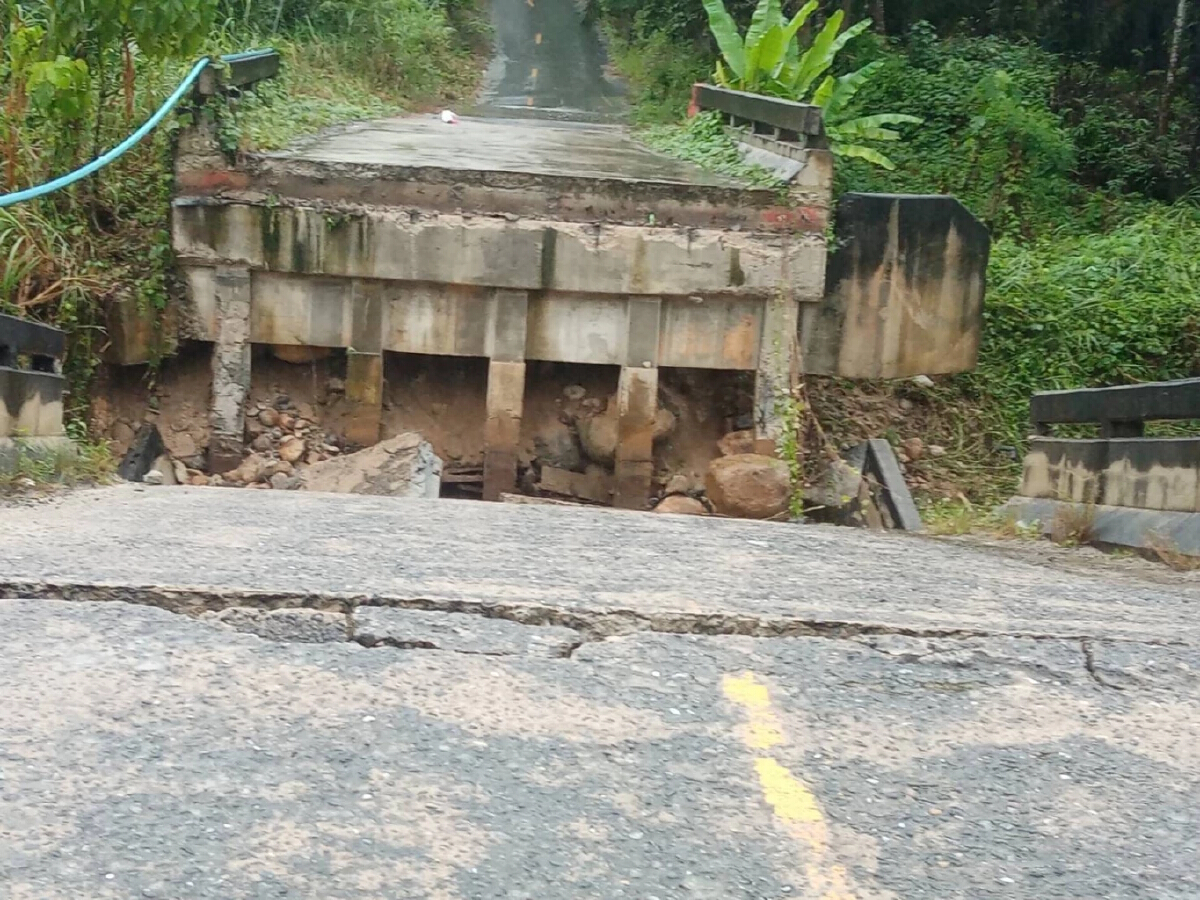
785, 120
238, 70
1120, 411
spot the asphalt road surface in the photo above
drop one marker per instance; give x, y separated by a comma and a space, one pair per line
522, 702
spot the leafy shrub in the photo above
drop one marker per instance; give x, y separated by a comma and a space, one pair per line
1081, 310
659, 70
990, 136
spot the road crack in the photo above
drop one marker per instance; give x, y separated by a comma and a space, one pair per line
1089, 662
592, 625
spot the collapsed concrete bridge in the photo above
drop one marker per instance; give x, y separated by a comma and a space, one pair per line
519, 240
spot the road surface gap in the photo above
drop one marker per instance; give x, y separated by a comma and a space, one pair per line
587, 624
1089, 662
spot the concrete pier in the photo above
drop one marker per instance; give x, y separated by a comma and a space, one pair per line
231, 300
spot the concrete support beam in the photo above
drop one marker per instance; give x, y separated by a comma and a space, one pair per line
230, 367
502, 431
505, 392
637, 405
364, 394
778, 365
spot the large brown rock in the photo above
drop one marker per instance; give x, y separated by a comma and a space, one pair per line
749, 486
680, 505
249, 471
291, 449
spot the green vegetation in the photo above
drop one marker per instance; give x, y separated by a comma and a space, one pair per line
1075, 137
703, 140
29, 465
77, 77
769, 60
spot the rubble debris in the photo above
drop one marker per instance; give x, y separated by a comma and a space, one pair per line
864, 489
681, 484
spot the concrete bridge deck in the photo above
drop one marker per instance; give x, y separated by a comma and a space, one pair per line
525, 145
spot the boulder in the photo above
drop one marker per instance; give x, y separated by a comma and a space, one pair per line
914, 448
598, 435
147, 447
403, 466
291, 449
679, 484
736, 442
749, 486
680, 505
836, 488
249, 471
556, 445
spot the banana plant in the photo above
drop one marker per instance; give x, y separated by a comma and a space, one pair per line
755, 62
846, 132
768, 60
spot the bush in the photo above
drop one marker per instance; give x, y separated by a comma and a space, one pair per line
1072, 311
409, 45
659, 71
990, 135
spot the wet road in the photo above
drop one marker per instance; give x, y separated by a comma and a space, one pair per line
549, 62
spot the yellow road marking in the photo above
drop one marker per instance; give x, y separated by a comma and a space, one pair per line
533, 73
794, 804
762, 730
537, 38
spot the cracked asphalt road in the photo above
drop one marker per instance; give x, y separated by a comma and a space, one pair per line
1032, 733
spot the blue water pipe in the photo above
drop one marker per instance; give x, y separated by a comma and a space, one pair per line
126, 145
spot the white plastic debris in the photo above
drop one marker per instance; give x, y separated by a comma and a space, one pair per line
449, 118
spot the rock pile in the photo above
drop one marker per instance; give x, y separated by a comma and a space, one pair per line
284, 439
